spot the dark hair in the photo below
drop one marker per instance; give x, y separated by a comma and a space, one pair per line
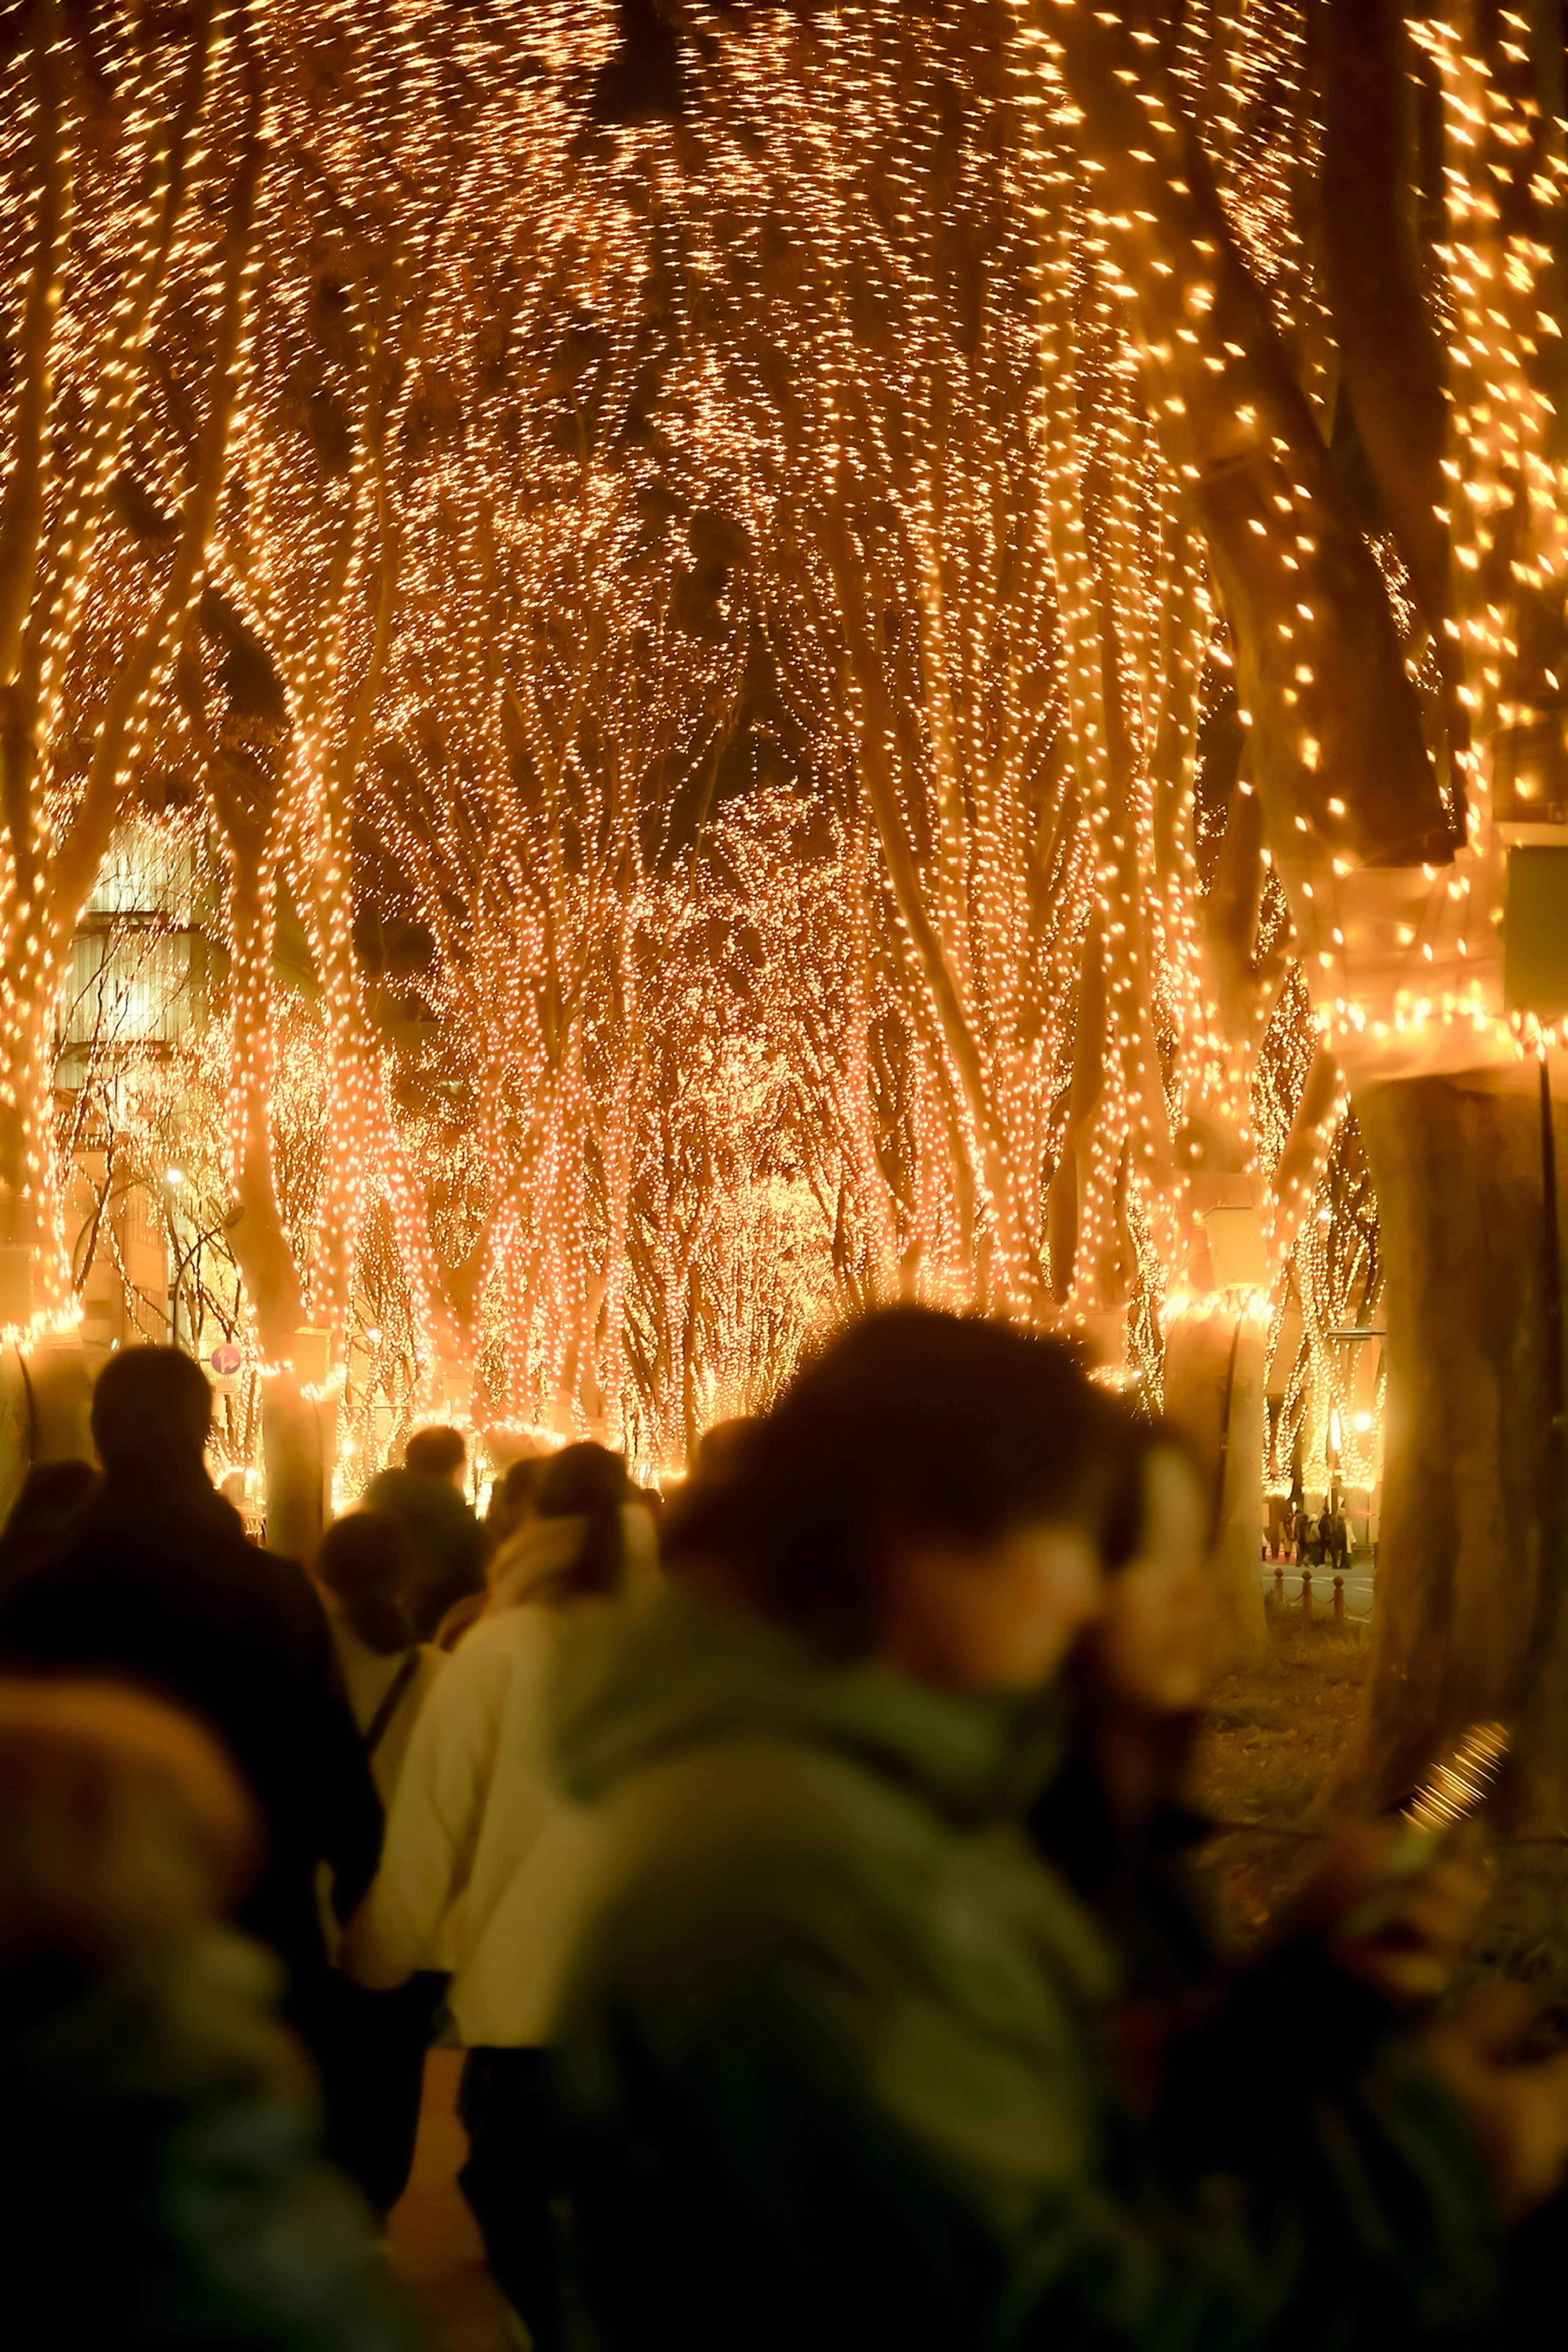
366, 1562
152, 1411
520, 1480
909, 1419
587, 1481
512, 1493
435, 1452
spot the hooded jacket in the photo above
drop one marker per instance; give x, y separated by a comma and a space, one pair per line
832, 2059
484, 1861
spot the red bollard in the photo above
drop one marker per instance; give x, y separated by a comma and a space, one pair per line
1339, 1601
1307, 1594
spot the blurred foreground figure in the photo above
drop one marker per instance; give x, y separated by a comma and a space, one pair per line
834, 2059
155, 1583
160, 2183
427, 1496
1308, 2062
485, 1863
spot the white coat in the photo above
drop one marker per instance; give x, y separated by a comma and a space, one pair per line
485, 1863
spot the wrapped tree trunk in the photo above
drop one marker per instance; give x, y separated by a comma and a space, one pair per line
1470, 1552
1215, 1375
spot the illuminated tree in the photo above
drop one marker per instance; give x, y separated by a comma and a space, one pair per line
130, 188
1397, 668
702, 649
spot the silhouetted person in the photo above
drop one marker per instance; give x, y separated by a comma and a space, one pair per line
52, 1493
160, 2175
155, 1583
366, 1570
373, 2054
448, 1542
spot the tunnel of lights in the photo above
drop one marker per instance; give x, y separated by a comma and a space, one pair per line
622, 730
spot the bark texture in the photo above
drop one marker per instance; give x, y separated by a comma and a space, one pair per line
1214, 1372
1464, 1592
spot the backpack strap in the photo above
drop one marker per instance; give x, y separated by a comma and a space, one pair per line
392, 1699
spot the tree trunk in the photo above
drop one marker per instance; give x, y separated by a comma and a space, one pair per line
292, 1432
293, 1439
1463, 1619
1214, 1372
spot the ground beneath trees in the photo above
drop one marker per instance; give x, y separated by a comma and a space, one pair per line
1267, 1756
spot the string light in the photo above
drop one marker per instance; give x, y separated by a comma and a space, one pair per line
695, 653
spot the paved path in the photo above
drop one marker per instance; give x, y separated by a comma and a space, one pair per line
435, 2248
1358, 1587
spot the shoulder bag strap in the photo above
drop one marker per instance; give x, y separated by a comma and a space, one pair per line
392, 1699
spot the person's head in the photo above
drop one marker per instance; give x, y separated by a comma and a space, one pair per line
151, 1415
927, 1491
366, 1562
1153, 1646
589, 1482
512, 1498
691, 1524
436, 1453
121, 1825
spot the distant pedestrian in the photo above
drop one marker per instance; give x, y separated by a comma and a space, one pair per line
368, 1568
427, 1496
486, 1863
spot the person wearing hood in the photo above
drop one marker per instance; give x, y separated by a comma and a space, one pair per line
834, 2060
508, 1522
485, 1862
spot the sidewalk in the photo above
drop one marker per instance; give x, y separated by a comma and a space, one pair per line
1359, 1587
435, 2248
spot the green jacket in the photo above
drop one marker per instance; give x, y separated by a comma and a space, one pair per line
833, 2065
160, 2179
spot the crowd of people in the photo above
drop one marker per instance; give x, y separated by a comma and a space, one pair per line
805, 1868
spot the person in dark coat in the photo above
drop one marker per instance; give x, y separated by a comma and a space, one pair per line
448, 1542
155, 1584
